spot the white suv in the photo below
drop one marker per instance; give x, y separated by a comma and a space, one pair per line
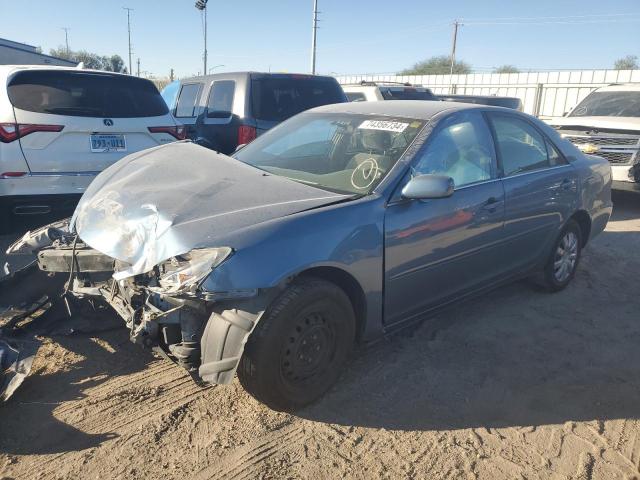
607, 123
59, 127
375, 91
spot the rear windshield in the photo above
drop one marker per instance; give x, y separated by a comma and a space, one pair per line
85, 94
406, 94
609, 104
278, 98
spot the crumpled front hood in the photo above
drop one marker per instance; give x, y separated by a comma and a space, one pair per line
162, 202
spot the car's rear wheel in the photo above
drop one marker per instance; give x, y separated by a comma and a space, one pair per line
300, 346
563, 260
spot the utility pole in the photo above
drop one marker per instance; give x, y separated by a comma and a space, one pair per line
456, 24
66, 38
129, 29
314, 36
202, 6
138, 66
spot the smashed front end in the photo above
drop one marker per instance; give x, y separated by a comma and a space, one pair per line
165, 309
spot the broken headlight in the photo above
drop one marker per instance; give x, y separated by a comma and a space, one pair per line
183, 274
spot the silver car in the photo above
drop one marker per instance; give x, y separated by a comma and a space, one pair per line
338, 226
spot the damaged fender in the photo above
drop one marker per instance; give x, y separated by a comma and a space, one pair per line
225, 336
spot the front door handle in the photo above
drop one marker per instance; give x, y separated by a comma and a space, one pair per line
491, 204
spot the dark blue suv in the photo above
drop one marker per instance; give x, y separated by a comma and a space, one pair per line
225, 110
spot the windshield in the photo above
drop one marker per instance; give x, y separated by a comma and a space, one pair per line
344, 153
400, 93
609, 104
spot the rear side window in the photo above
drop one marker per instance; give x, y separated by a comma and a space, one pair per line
187, 100
85, 94
220, 101
355, 96
521, 147
278, 98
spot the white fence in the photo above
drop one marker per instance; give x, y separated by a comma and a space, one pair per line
544, 94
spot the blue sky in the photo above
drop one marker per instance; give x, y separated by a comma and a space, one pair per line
356, 36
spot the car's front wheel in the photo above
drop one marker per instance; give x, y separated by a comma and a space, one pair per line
300, 346
562, 263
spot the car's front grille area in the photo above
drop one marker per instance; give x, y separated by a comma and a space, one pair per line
620, 158
617, 149
601, 141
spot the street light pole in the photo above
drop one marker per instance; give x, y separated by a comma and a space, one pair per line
313, 37
202, 6
129, 30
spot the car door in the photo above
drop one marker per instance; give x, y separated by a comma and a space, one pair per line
540, 188
187, 107
439, 248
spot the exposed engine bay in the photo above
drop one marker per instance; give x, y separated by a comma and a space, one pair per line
163, 308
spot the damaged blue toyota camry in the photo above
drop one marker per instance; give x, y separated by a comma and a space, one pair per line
338, 226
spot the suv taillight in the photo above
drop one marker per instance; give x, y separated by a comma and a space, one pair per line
179, 132
246, 134
10, 132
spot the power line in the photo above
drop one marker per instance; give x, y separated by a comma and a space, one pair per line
66, 37
314, 33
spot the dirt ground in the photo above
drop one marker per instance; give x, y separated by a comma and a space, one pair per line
518, 384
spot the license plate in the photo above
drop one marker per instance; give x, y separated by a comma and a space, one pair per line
108, 143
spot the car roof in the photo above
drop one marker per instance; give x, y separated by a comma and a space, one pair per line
419, 109
7, 70
621, 87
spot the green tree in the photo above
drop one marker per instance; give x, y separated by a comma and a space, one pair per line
630, 62
506, 69
114, 63
436, 66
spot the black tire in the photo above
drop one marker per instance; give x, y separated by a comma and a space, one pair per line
551, 281
298, 349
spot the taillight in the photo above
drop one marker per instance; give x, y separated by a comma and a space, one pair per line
12, 174
12, 131
246, 134
179, 132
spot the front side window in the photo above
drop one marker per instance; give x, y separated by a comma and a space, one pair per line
187, 100
520, 146
461, 148
339, 152
220, 101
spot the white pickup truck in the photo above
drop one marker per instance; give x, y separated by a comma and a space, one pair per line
607, 123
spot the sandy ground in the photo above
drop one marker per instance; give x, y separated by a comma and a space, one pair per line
518, 384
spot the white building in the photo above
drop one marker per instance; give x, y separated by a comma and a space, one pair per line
15, 53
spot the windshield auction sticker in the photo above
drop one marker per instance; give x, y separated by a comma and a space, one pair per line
397, 127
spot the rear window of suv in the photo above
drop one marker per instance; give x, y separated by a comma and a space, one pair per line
278, 98
400, 93
85, 94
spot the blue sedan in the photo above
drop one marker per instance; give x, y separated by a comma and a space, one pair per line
338, 226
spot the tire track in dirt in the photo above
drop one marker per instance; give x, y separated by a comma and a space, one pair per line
246, 461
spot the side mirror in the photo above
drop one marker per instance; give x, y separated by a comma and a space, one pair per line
428, 186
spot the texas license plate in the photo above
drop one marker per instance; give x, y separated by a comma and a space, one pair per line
108, 143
